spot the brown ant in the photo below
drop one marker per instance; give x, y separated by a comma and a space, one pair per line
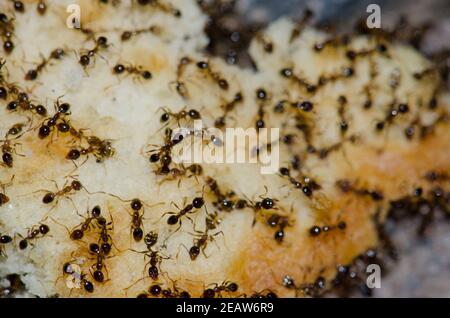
215, 76
193, 170
200, 243
179, 85
264, 294
103, 248
181, 115
163, 154
126, 35
393, 112
4, 239
137, 70
7, 32
288, 73
161, 6
21, 100
176, 217
315, 230
33, 74
80, 230
301, 24
217, 290
3, 197
154, 263
100, 43
307, 185
101, 149
278, 221
99, 264
227, 108
224, 202
262, 97
156, 290
68, 189
346, 187
41, 7
315, 289
7, 148
136, 222
57, 120
267, 45
18, 6
33, 233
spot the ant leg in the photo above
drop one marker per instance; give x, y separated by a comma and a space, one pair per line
184, 246
167, 213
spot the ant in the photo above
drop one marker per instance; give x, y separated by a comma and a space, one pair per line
200, 243
181, 115
100, 43
101, 149
215, 76
393, 111
162, 6
264, 294
179, 85
7, 32
223, 201
227, 108
301, 24
18, 6
307, 186
229, 287
163, 153
74, 186
3, 197
315, 230
4, 239
126, 35
21, 101
261, 96
155, 260
33, 74
7, 148
120, 68
156, 290
104, 237
41, 7
176, 217
194, 170
268, 45
280, 221
100, 257
136, 222
345, 186
309, 289
288, 73
80, 230
57, 120
33, 233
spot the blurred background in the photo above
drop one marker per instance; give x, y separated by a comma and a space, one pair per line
423, 265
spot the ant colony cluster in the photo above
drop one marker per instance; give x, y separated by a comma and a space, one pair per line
91, 192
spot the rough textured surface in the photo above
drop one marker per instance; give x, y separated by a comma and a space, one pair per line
359, 169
